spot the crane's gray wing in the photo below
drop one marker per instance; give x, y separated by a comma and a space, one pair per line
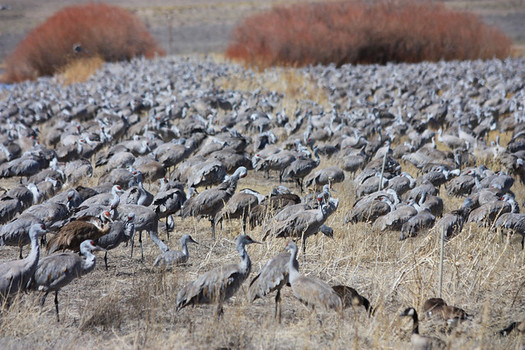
57, 270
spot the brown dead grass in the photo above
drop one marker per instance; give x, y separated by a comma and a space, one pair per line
133, 305
80, 70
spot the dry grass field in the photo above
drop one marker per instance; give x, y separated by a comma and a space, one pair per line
132, 305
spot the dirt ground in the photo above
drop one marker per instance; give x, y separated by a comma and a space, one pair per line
203, 26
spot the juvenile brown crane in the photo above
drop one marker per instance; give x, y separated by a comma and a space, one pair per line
220, 284
74, 233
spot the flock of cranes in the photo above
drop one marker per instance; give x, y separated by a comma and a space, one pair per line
199, 142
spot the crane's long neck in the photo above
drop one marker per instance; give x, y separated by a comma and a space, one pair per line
246, 264
34, 255
292, 265
185, 249
89, 264
116, 198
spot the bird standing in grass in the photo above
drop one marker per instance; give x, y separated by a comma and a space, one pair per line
175, 257
220, 284
310, 291
273, 276
14, 275
58, 270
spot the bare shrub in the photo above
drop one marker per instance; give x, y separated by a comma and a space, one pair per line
361, 32
81, 31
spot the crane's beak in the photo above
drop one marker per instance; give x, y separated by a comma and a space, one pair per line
99, 249
193, 241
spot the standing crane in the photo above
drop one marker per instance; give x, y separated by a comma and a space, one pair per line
176, 257
120, 231
303, 223
310, 291
210, 202
14, 275
273, 277
58, 270
74, 233
220, 284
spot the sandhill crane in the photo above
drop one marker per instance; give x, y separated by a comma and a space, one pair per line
304, 223
210, 202
120, 231
175, 257
350, 297
437, 307
329, 175
220, 284
271, 205
422, 220
105, 199
58, 270
27, 195
168, 202
9, 207
514, 222
14, 275
310, 291
239, 206
137, 194
71, 235
273, 277
278, 161
452, 223
462, 185
421, 342
487, 213
145, 220
16, 232
395, 219
369, 210
300, 168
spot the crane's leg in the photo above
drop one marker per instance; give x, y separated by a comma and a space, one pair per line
20, 255
303, 238
132, 239
167, 229
220, 311
212, 221
278, 305
56, 305
141, 249
106, 259
43, 299
244, 219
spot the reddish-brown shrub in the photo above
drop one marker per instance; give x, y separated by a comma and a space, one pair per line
361, 32
102, 30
